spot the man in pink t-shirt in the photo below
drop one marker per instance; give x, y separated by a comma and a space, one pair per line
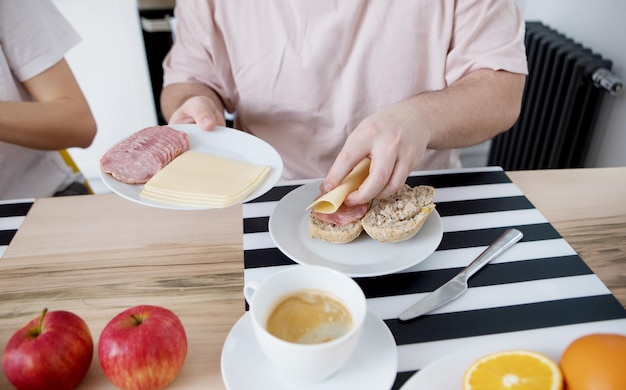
328, 83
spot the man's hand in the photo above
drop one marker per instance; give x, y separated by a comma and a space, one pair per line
192, 103
200, 110
395, 142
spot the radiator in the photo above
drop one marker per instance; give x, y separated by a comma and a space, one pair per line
564, 89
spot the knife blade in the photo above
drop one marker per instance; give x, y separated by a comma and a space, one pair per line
457, 286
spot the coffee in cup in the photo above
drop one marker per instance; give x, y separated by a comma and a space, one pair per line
307, 320
309, 317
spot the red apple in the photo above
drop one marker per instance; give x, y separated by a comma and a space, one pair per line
142, 348
52, 351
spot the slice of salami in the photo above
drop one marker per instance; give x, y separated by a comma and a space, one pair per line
137, 158
344, 214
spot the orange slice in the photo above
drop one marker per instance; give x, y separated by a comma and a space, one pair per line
513, 370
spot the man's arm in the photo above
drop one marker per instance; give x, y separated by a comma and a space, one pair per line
192, 103
473, 110
59, 117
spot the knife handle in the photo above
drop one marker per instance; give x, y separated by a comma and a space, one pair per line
502, 243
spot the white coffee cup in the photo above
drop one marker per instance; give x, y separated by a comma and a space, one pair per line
306, 362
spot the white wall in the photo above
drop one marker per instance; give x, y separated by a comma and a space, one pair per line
600, 26
111, 67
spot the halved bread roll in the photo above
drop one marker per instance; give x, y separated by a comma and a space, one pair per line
333, 233
399, 216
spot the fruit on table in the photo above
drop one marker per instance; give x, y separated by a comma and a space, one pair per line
52, 351
595, 361
143, 347
514, 369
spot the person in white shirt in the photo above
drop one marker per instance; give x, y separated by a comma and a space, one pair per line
42, 108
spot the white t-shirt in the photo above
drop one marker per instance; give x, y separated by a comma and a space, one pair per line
33, 37
303, 74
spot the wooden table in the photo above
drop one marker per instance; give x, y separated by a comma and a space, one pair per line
97, 255
588, 208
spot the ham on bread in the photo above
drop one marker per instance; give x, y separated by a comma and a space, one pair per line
340, 227
140, 156
344, 215
395, 218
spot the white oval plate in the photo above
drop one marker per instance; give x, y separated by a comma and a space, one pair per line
221, 142
448, 371
288, 226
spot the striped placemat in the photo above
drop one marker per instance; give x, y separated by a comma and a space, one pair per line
12, 214
539, 290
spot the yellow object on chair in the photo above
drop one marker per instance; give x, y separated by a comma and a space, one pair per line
70, 162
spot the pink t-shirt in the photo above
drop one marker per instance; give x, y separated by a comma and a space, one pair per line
303, 74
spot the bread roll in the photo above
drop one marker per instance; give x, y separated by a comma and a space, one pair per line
332, 233
399, 216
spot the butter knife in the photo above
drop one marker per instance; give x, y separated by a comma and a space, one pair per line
457, 286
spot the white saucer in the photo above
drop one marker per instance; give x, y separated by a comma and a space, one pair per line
373, 366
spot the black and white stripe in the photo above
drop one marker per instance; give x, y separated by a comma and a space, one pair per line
12, 214
540, 289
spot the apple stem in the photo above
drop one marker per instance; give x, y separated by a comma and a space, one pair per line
37, 330
138, 319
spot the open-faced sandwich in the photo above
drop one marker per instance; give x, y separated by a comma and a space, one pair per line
393, 219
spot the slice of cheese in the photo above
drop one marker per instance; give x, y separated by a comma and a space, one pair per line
196, 179
330, 202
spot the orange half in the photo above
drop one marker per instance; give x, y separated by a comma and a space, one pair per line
513, 370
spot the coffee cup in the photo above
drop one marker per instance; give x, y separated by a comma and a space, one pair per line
307, 320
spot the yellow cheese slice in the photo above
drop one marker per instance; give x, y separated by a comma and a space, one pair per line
330, 202
196, 179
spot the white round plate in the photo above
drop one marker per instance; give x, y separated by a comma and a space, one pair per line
288, 226
221, 142
373, 366
447, 372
